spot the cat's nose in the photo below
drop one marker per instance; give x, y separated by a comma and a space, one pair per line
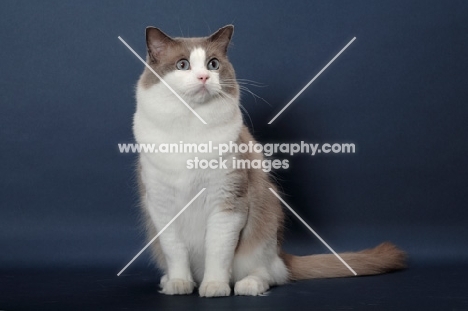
203, 77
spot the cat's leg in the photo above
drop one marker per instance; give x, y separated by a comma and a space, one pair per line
256, 283
272, 271
221, 239
258, 268
178, 278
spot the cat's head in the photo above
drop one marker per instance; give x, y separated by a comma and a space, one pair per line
197, 68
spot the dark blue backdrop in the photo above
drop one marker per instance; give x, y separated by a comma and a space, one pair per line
398, 92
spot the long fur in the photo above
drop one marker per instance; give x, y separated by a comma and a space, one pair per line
386, 257
232, 234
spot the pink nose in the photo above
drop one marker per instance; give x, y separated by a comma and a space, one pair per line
203, 77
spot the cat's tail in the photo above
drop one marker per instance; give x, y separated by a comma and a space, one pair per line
384, 258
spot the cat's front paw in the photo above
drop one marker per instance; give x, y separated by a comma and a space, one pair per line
214, 289
177, 287
251, 286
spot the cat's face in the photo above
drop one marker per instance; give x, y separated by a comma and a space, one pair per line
197, 68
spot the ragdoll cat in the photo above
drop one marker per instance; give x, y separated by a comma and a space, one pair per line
231, 234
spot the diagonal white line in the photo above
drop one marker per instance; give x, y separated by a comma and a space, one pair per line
159, 233
161, 79
312, 230
313, 79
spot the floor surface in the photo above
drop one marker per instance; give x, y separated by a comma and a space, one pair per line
420, 287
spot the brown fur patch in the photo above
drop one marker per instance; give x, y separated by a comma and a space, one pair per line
384, 258
265, 221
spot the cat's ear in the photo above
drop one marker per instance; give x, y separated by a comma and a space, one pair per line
157, 42
222, 37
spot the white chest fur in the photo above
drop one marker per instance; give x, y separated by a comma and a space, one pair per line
161, 118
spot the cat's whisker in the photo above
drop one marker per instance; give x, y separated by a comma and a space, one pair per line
232, 83
255, 96
248, 82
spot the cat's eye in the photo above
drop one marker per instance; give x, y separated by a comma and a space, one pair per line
183, 64
213, 64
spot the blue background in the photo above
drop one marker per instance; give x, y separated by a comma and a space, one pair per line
398, 92
68, 197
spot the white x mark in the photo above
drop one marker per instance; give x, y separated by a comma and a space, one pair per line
193, 111
277, 115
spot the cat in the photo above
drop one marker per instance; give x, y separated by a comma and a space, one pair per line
231, 234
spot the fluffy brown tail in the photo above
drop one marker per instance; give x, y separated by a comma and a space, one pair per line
384, 258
